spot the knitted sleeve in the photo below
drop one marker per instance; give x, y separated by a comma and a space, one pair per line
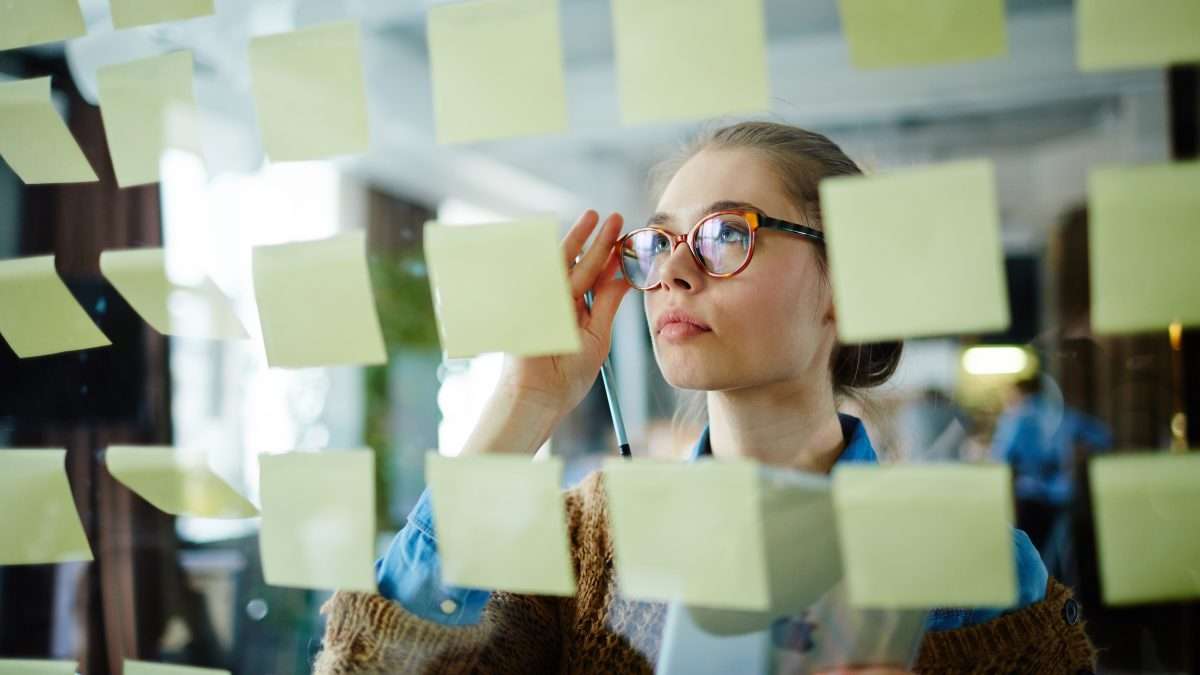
1046, 637
367, 634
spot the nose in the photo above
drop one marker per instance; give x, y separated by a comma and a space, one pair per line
680, 271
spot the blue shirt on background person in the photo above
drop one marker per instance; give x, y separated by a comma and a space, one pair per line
1038, 439
410, 570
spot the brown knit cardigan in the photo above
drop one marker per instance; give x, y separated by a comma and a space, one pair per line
597, 631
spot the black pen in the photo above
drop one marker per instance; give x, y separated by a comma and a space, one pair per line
610, 390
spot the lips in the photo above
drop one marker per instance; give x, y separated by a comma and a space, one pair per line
680, 317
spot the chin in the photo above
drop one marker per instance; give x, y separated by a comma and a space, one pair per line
694, 374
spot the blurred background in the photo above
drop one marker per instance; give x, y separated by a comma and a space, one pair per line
191, 590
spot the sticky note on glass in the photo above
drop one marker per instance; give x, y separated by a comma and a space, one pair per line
1147, 513
899, 33
179, 483
32, 667
530, 313
497, 69
33, 138
915, 253
669, 65
315, 303
135, 100
310, 92
1111, 34
131, 13
33, 22
926, 536
501, 523
140, 276
38, 314
147, 668
1142, 240
38, 520
688, 532
318, 519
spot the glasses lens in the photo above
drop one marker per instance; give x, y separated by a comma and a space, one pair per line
641, 257
723, 242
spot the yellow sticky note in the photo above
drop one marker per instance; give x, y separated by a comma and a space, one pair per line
310, 92
33, 138
38, 520
201, 311
176, 482
147, 668
688, 532
937, 535
135, 100
32, 22
897, 33
497, 69
1143, 237
131, 13
38, 314
501, 523
916, 252
530, 313
1112, 34
690, 59
34, 667
316, 305
1147, 513
318, 519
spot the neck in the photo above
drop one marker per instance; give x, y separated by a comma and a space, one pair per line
782, 424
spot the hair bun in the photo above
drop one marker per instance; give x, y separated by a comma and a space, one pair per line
865, 366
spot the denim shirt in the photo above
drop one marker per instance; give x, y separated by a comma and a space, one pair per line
410, 570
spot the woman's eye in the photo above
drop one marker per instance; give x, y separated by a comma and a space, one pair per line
731, 235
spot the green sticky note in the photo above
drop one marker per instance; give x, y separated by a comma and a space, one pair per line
318, 519
916, 252
135, 100
33, 667
937, 535
38, 521
315, 303
310, 92
501, 523
688, 532
38, 314
33, 138
33, 22
131, 13
530, 313
690, 59
497, 69
1147, 513
1114, 34
1142, 239
898, 33
147, 668
178, 483
201, 311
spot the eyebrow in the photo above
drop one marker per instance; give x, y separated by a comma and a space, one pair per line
663, 218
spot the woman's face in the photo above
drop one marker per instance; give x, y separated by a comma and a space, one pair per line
770, 323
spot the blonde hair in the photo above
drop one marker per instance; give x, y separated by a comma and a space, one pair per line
800, 159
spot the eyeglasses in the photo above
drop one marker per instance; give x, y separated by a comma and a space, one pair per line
722, 243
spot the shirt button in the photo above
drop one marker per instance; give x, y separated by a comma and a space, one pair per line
449, 606
1071, 612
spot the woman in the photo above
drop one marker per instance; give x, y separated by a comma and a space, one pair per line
749, 320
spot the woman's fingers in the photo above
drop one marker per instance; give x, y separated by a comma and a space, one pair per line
588, 269
609, 292
573, 243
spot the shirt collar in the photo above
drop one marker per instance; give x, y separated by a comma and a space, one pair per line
858, 444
